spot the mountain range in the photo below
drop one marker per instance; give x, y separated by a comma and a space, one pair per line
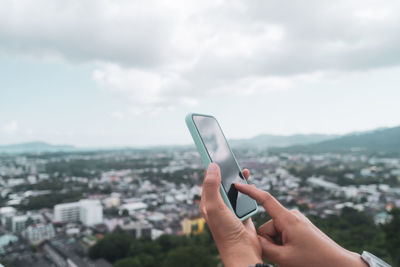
267, 140
380, 140
34, 147
385, 140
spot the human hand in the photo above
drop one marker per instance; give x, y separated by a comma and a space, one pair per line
237, 241
290, 239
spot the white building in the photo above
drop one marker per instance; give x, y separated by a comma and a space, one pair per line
18, 223
91, 212
31, 179
87, 211
67, 212
15, 181
38, 232
6, 214
132, 207
319, 182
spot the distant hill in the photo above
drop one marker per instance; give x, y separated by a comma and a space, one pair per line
386, 140
267, 140
34, 147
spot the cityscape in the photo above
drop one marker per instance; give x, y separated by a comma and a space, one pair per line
97, 166
56, 206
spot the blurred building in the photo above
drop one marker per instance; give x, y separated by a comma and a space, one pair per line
193, 226
87, 211
91, 212
67, 212
18, 223
6, 214
131, 208
38, 232
137, 229
66, 255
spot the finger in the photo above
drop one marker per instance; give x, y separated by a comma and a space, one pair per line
270, 204
211, 185
271, 251
246, 174
268, 229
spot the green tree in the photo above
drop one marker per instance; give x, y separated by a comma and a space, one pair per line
142, 260
392, 236
355, 231
128, 262
167, 242
112, 247
125, 212
140, 247
191, 256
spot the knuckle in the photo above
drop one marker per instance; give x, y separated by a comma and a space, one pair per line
267, 198
295, 212
209, 183
296, 217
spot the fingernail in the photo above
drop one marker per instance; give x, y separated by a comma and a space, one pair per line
212, 167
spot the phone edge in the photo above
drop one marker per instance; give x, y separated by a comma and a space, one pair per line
206, 158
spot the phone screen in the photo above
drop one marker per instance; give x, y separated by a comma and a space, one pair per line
219, 152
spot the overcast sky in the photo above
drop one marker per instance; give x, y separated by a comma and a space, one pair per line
110, 73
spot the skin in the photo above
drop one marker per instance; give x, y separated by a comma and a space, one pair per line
288, 239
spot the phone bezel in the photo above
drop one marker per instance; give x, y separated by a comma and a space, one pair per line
233, 155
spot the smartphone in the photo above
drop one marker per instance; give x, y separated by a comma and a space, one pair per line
212, 145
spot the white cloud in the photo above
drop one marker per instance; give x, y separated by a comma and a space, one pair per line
10, 127
160, 54
119, 115
147, 90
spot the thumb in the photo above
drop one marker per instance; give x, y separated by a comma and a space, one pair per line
270, 250
212, 183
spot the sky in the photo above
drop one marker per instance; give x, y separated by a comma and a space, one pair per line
102, 73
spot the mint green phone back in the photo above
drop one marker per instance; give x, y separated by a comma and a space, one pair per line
206, 159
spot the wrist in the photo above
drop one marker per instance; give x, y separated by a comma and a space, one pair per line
353, 259
243, 261
342, 257
358, 261
240, 257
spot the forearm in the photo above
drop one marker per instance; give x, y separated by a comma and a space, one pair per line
345, 258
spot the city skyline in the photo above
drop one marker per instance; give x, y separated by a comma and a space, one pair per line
105, 74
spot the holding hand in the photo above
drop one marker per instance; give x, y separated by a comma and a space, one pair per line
288, 239
237, 242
